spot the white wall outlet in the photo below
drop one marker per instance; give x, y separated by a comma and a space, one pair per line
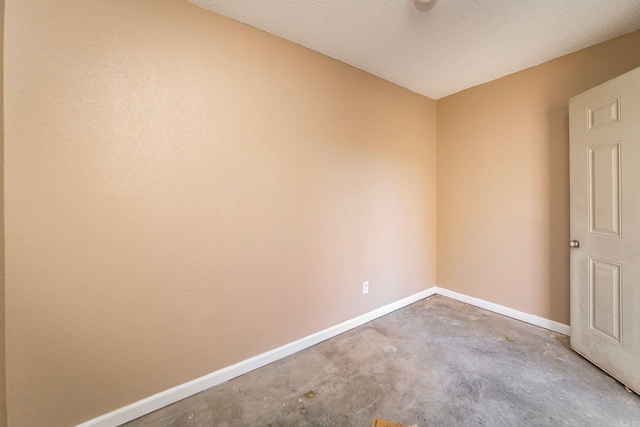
365, 288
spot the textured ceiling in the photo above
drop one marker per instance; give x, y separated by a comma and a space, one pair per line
444, 46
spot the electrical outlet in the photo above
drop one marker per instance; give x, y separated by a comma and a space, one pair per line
365, 288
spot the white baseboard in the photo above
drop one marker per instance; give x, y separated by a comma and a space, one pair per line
172, 395
551, 325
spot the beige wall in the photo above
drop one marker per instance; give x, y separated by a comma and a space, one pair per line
503, 180
184, 192
3, 395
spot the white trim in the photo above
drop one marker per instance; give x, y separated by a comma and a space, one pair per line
551, 325
172, 395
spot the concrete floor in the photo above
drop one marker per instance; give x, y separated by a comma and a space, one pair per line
437, 362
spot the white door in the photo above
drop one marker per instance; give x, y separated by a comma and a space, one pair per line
605, 220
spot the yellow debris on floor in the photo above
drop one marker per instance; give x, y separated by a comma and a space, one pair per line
382, 423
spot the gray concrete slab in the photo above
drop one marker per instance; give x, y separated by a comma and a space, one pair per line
437, 362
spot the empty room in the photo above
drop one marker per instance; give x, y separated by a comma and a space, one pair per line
320, 213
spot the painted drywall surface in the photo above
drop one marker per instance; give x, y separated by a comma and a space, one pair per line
503, 180
3, 388
184, 192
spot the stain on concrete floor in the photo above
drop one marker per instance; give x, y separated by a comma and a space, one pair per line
437, 362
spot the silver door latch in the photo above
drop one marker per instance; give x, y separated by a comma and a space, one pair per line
573, 243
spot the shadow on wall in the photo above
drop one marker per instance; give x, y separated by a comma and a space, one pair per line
558, 262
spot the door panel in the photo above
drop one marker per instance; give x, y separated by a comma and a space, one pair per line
604, 189
604, 298
604, 114
605, 218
